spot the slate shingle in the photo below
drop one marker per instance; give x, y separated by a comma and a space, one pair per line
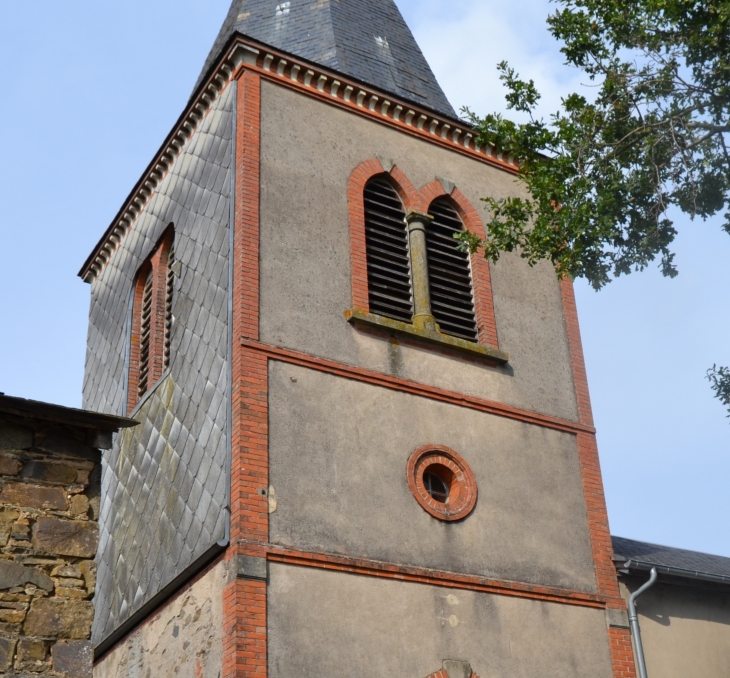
364, 39
666, 556
150, 531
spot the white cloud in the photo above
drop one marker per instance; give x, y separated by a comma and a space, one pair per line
464, 40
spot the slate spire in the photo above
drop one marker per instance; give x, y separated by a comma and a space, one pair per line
365, 39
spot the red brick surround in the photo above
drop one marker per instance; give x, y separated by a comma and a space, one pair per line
359, 177
415, 200
622, 655
244, 602
443, 674
463, 486
481, 272
157, 262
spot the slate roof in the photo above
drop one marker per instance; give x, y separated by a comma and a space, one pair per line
34, 409
367, 40
671, 560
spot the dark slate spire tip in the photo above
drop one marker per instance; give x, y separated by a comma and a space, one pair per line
367, 40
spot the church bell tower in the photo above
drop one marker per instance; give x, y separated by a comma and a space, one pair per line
361, 452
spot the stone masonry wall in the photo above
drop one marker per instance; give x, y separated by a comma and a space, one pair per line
49, 504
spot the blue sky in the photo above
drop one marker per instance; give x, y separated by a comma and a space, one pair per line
91, 89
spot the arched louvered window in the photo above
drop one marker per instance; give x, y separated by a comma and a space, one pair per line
386, 240
449, 273
145, 335
169, 287
151, 337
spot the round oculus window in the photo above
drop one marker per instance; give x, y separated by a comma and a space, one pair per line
442, 482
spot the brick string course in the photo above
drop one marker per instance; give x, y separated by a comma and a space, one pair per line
49, 505
622, 656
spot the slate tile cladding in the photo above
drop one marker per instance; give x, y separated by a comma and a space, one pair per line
49, 507
164, 483
667, 556
364, 39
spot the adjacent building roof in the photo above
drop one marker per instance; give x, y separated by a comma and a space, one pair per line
367, 40
34, 409
637, 555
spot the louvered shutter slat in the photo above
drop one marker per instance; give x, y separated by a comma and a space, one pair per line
386, 241
145, 330
449, 273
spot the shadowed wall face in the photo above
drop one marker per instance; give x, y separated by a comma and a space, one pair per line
685, 629
165, 482
412, 628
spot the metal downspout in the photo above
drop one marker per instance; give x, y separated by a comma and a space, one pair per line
634, 623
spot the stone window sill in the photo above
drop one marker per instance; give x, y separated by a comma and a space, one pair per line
428, 335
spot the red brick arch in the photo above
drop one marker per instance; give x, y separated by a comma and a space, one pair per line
416, 200
358, 179
156, 264
481, 272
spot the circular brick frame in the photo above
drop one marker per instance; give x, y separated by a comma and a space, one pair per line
463, 486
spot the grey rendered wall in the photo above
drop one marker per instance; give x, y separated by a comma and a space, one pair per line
338, 453
183, 639
309, 150
317, 620
685, 630
164, 483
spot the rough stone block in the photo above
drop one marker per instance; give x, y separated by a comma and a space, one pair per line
14, 574
88, 571
31, 655
250, 567
7, 518
59, 618
12, 616
66, 537
49, 472
15, 438
617, 619
60, 442
457, 669
67, 570
34, 496
63, 592
7, 652
73, 658
79, 505
9, 466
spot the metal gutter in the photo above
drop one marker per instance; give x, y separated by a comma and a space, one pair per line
642, 566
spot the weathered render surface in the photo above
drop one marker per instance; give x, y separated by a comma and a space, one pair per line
685, 628
185, 638
412, 628
309, 150
49, 505
164, 484
338, 453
